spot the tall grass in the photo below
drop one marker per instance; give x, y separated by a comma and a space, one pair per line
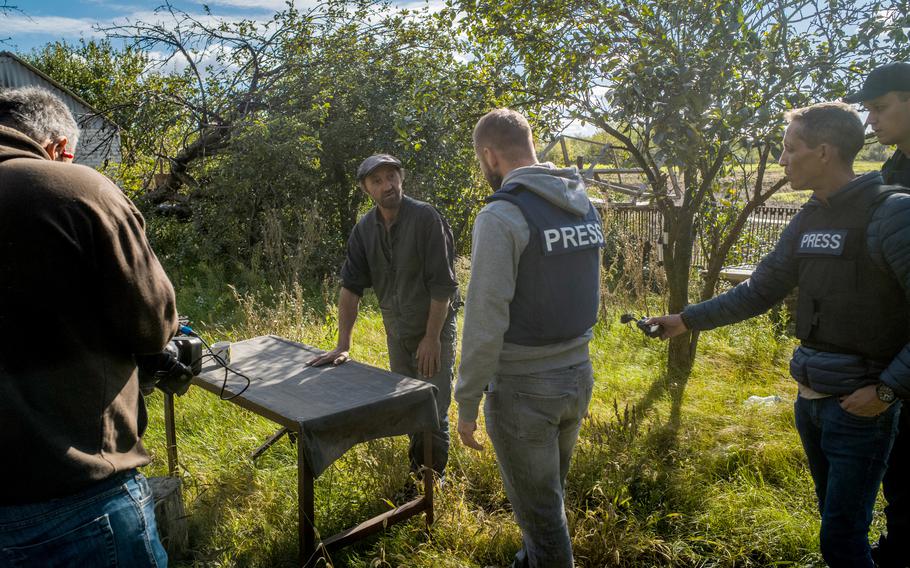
702, 481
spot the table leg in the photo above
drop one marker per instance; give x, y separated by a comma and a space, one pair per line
306, 529
428, 475
170, 434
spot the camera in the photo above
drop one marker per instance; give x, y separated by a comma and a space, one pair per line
173, 369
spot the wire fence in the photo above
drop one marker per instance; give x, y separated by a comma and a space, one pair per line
759, 235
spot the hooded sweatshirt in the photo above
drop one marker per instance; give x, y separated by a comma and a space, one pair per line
500, 237
80, 292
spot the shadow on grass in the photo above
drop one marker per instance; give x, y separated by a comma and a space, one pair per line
623, 471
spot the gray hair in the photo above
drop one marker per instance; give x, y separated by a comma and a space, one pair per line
836, 123
39, 114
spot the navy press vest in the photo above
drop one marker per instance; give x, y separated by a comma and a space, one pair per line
557, 290
847, 303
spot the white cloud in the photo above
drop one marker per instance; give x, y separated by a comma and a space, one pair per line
56, 26
274, 5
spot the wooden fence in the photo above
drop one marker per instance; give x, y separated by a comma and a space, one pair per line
758, 237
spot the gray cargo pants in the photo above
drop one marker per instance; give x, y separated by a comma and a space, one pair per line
403, 360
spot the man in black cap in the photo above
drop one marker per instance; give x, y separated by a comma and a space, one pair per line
404, 250
886, 95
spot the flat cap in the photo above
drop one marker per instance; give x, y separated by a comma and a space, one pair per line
882, 80
374, 162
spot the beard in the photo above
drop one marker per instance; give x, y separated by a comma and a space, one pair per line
494, 179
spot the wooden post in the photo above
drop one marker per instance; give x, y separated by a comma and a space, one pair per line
170, 433
170, 515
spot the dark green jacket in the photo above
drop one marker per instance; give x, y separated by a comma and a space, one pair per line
407, 265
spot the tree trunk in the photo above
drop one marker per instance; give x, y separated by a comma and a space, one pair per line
678, 264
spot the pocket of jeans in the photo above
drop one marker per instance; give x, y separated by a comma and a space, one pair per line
866, 420
538, 416
91, 544
139, 490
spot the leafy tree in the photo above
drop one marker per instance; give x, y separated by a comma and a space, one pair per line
277, 116
691, 89
123, 86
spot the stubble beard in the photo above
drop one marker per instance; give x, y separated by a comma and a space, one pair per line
494, 179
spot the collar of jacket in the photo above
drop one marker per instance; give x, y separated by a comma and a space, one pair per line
15, 144
848, 192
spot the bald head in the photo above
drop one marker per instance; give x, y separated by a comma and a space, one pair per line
507, 132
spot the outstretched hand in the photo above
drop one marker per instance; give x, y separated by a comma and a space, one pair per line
336, 357
670, 326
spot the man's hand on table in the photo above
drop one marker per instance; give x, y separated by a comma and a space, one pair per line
466, 433
336, 356
428, 355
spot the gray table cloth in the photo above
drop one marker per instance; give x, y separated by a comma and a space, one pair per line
333, 408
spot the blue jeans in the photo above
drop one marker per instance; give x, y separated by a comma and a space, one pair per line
533, 422
403, 360
110, 524
847, 456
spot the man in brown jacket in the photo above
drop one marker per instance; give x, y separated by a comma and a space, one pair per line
81, 292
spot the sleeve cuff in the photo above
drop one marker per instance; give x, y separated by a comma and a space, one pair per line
899, 389
358, 290
685, 320
443, 292
468, 411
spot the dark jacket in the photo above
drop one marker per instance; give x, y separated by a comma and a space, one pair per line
407, 265
896, 171
888, 244
80, 292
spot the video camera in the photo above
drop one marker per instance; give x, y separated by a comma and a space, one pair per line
173, 369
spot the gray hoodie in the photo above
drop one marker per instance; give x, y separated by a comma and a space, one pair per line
499, 238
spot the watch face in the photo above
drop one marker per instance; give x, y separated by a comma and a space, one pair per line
885, 393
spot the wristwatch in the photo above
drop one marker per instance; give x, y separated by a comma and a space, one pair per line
885, 393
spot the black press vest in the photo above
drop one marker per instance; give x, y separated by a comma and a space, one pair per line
847, 302
557, 291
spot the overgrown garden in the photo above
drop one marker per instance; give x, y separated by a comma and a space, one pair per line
240, 142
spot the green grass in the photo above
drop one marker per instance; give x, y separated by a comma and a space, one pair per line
704, 481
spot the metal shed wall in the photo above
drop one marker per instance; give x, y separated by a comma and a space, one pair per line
99, 139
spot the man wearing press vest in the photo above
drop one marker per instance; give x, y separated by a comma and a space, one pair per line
848, 251
532, 301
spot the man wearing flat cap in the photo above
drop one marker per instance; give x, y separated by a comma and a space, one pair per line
403, 249
886, 96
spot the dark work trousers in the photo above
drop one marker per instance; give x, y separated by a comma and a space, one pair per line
894, 547
403, 360
847, 456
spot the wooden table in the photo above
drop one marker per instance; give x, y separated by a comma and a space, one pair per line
328, 409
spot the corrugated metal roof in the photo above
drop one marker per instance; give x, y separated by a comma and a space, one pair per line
99, 137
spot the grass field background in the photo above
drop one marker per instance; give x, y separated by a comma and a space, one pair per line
708, 481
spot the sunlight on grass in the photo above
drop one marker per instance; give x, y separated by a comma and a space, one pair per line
725, 486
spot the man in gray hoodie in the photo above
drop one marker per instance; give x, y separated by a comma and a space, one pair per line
532, 301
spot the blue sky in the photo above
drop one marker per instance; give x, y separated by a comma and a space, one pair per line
35, 23
38, 22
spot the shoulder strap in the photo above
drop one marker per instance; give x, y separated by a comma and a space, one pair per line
511, 194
